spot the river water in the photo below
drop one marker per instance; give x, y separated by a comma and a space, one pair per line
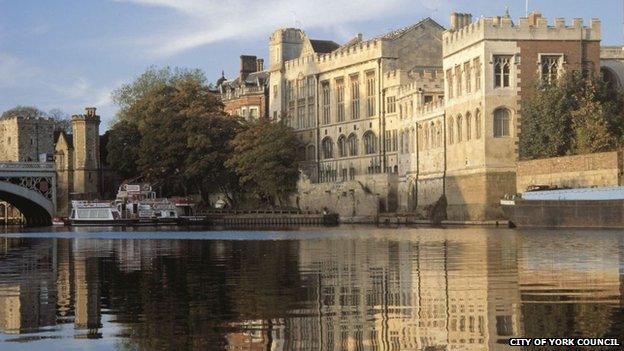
345, 288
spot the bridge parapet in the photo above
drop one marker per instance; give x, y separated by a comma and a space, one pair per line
30, 186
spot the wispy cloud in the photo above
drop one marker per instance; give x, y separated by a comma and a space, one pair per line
210, 21
15, 72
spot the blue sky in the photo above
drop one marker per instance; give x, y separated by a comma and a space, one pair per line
71, 53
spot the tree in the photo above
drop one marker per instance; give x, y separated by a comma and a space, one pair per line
185, 138
62, 120
266, 160
575, 115
153, 78
122, 148
24, 112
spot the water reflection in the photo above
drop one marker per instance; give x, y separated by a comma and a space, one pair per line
408, 289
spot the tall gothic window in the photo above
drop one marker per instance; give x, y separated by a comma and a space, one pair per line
302, 89
477, 73
477, 124
340, 108
370, 94
468, 74
301, 118
502, 67
459, 128
449, 82
458, 76
326, 104
550, 65
501, 122
391, 104
311, 87
370, 143
342, 146
468, 126
355, 98
328, 148
450, 130
352, 142
311, 116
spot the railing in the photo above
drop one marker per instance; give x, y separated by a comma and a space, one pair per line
48, 166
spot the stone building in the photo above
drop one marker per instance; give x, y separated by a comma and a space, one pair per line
77, 158
393, 123
247, 95
24, 139
491, 66
341, 101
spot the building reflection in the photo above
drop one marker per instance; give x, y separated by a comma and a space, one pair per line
464, 289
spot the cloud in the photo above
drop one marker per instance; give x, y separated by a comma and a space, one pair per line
15, 72
210, 21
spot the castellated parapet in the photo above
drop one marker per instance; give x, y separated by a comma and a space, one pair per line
533, 27
23, 139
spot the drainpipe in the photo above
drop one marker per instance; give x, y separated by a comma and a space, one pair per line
382, 119
318, 129
445, 147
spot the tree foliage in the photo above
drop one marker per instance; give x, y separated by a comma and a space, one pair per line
577, 115
62, 121
266, 160
153, 78
122, 149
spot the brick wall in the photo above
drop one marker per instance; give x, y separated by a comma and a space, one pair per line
599, 169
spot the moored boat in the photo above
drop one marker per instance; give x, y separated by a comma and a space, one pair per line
97, 213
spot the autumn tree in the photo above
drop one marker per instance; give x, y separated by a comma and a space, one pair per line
266, 160
122, 149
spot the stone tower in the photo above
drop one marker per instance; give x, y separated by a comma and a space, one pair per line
86, 138
285, 44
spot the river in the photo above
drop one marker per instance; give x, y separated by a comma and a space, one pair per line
344, 288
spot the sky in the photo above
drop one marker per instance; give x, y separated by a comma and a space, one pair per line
68, 54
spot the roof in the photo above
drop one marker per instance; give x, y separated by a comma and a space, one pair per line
68, 137
323, 46
399, 32
254, 79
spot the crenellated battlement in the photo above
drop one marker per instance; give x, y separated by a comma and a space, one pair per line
534, 27
437, 105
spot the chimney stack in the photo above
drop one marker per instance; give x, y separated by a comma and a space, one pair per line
247, 65
460, 20
533, 17
90, 111
259, 65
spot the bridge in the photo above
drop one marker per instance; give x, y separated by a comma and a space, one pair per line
31, 188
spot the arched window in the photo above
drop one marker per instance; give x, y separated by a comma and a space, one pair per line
450, 130
468, 126
342, 146
328, 148
310, 153
459, 128
477, 124
352, 142
501, 122
370, 143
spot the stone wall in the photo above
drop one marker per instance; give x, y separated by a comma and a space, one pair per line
599, 169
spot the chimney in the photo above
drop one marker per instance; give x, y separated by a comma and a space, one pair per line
533, 17
454, 19
259, 65
247, 65
460, 20
90, 111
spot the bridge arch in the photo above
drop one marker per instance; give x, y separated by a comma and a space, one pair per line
37, 210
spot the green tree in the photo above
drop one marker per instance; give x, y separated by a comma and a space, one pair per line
153, 78
185, 138
266, 160
122, 149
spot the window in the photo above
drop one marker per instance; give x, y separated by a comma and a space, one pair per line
401, 142
340, 109
370, 95
301, 117
370, 143
477, 124
459, 128
290, 91
501, 70
311, 87
428, 98
476, 64
311, 116
391, 104
302, 89
450, 130
352, 142
458, 76
468, 73
468, 126
274, 91
326, 104
328, 148
253, 112
501, 123
449, 82
355, 98
394, 140
550, 65
342, 146
387, 140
